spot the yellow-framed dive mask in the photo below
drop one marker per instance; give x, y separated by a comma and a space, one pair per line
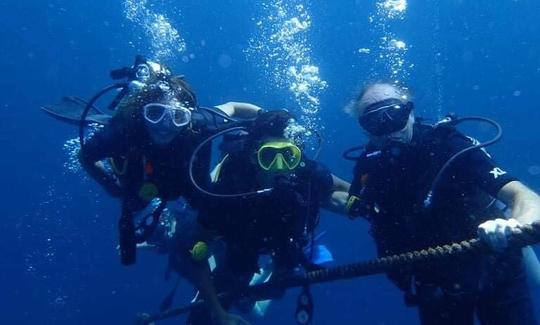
279, 156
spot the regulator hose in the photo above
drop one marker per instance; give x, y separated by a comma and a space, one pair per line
429, 198
90, 104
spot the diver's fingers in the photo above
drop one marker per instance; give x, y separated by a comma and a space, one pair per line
484, 229
500, 234
514, 227
509, 228
487, 232
496, 232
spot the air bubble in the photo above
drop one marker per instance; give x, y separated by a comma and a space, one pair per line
282, 49
225, 61
534, 170
164, 38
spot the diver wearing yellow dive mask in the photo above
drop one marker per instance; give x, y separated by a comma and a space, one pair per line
279, 156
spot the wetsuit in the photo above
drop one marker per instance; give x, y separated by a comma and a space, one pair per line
276, 222
390, 187
279, 223
138, 161
145, 170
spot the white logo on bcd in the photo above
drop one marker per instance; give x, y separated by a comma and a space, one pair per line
496, 172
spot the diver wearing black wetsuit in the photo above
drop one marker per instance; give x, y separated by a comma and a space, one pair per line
146, 170
392, 189
279, 223
149, 143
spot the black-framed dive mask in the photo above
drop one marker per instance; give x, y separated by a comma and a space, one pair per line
385, 117
279, 156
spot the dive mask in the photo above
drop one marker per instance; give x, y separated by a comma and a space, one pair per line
385, 117
155, 113
279, 156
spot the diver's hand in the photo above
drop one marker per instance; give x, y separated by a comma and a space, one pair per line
496, 232
230, 319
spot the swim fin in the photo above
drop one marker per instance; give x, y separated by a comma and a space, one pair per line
70, 109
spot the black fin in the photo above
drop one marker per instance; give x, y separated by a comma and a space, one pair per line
70, 108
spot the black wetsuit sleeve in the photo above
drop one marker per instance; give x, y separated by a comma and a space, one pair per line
478, 166
104, 143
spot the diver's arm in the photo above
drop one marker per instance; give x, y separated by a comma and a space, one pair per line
104, 143
525, 205
240, 110
340, 184
96, 170
219, 314
337, 202
524, 202
208, 292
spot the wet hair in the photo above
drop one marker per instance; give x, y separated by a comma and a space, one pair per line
353, 107
270, 124
183, 91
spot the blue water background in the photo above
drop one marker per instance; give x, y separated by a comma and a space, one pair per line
57, 251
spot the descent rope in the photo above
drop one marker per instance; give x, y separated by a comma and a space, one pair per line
526, 235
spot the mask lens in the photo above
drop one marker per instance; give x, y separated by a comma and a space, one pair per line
154, 112
180, 116
385, 117
292, 156
267, 156
288, 154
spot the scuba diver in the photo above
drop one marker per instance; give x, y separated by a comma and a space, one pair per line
141, 154
264, 201
421, 185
